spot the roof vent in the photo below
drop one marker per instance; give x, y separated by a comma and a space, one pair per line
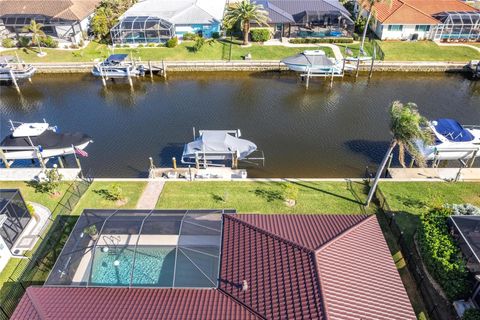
244, 285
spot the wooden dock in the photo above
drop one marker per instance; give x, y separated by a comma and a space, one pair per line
439, 174
210, 173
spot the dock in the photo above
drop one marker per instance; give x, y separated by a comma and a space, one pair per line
438, 174
189, 174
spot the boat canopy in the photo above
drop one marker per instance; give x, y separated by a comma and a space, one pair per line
48, 140
218, 142
452, 130
119, 57
312, 58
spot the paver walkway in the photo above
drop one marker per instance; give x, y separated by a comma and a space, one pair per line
150, 195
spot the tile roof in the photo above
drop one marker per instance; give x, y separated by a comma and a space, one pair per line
416, 11
296, 267
52, 303
61, 9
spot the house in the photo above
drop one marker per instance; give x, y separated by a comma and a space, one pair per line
308, 18
154, 21
215, 264
439, 20
62, 19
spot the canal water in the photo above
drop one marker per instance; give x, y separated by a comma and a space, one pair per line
322, 132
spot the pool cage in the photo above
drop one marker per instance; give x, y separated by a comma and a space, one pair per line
322, 24
457, 27
14, 216
142, 30
142, 248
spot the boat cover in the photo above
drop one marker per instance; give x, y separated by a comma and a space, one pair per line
119, 57
218, 141
453, 131
48, 140
309, 60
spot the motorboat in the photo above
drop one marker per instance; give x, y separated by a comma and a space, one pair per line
452, 141
215, 147
117, 66
32, 140
314, 61
473, 67
12, 68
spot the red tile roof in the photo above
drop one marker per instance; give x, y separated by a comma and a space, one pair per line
123, 303
296, 267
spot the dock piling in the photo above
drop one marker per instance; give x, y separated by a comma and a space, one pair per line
174, 163
14, 80
331, 79
358, 67
4, 159
129, 78
164, 69
150, 68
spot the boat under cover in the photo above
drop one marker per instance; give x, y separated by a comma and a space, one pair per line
217, 145
116, 66
313, 60
452, 141
11, 67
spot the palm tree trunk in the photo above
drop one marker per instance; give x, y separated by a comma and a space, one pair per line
393, 144
38, 43
366, 28
246, 30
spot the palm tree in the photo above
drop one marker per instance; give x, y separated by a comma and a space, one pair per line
245, 12
406, 126
36, 30
370, 6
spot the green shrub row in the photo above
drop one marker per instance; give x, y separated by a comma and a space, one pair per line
442, 255
260, 35
189, 36
8, 43
321, 40
172, 43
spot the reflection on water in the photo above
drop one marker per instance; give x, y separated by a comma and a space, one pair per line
322, 132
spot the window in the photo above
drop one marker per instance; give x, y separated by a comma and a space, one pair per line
420, 27
395, 27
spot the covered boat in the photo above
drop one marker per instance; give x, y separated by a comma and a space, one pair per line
29, 140
217, 145
11, 68
452, 141
117, 66
315, 61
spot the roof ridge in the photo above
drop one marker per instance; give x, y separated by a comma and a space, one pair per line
35, 303
416, 9
271, 234
251, 310
279, 10
391, 6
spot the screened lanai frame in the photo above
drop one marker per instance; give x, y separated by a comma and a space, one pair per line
457, 26
14, 216
142, 30
155, 248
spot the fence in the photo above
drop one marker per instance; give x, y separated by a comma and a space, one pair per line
380, 55
438, 307
36, 268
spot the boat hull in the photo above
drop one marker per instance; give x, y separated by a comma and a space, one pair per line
46, 153
19, 75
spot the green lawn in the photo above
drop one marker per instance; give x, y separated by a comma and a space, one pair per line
425, 51
214, 50
264, 197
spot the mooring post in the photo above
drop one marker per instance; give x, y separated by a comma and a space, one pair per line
307, 82
174, 163
129, 77
373, 60
164, 69
14, 80
343, 67
331, 79
150, 68
4, 159
60, 162
358, 66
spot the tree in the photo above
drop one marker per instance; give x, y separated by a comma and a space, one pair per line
36, 30
100, 23
245, 12
406, 126
370, 6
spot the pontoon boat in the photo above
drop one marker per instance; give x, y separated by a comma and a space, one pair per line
116, 66
315, 61
452, 141
29, 140
11, 67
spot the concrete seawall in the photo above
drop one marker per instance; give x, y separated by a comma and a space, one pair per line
257, 65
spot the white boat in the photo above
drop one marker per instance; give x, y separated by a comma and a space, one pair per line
116, 66
11, 67
314, 61
29, 140
474, 68
452, 141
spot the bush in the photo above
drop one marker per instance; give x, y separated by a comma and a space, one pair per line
126, 46
49, 42
321, 40
31, 209
290, 191
442, 255
114, 193
216, 35
471, 314
151, 45
199, 42
172, 43
140, 46
360, 25
356, 37
8, 43
23, 42
465, 210
260, 35
189, 36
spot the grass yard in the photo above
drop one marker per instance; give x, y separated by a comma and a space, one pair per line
264, 197
214, 50
425, 51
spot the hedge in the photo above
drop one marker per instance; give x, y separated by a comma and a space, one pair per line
172, 43
471, 314
442, 255
321, 40
260, 35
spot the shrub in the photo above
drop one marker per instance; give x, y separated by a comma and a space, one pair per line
321, 40
8, 43
151, 45
356, 37
74, 46
360, 24
31, 209
465, 209
81, 43
126, 46
23, 42
189, 36
471, 314
441, 254
114, 193
199, 42
260, 35
290, 191
172, 43
140, 46
49, 42
215, 35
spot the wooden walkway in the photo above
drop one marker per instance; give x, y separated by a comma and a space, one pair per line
149, 197
440, 174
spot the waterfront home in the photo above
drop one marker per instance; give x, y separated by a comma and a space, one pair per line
65, 20
215, 264
307, 18
438, 20
154, 21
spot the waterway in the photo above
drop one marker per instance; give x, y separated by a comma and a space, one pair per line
322, 132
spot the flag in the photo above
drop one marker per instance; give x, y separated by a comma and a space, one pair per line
348, 51
80, 152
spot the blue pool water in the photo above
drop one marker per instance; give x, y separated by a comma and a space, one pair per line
153, 267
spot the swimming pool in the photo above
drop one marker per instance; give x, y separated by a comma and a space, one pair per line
153, 266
